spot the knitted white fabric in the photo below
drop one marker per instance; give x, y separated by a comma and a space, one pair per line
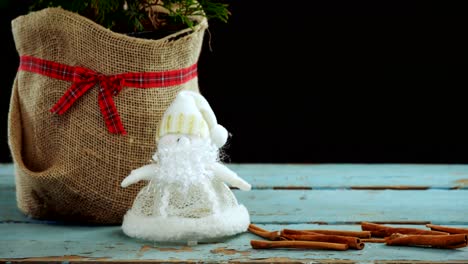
175, 211
191, 114
204, 211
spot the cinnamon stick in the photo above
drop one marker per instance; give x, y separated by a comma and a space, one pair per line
358, 234
373, 240
352, 242
297, 232
451, 230
263, 244
270, 235
252, 226
437, 241
378, 230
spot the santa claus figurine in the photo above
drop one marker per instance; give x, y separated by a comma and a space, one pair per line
186, 198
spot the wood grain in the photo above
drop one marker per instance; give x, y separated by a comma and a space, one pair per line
287, 196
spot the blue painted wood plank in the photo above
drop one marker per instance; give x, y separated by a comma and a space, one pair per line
348, 175
334, 203
334, 176
350, 206
109, 243
9, 211
7, 177
329, 206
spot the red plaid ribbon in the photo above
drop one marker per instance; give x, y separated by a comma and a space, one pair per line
84, 79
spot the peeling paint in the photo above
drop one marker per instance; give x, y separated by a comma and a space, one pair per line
412, 261
145, 248
462, 182
182, 249
291, 260
227, 251
59, 258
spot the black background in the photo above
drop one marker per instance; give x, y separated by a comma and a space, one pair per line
325, 81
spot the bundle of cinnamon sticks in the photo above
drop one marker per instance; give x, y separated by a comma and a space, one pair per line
308, 239
436, 237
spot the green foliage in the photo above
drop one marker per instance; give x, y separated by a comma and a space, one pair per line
141, 15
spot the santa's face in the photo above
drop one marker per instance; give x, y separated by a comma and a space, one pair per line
184, 158
181, 152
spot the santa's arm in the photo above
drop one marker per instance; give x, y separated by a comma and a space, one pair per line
228, 176
141, 174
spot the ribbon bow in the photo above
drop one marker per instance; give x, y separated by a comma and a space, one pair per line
109, 85
84, 79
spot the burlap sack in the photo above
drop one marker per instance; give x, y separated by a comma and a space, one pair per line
69, 167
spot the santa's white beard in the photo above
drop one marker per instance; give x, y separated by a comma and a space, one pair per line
185, 164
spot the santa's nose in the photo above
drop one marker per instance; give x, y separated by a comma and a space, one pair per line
183, 141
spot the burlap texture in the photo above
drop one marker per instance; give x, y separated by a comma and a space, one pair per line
69, 167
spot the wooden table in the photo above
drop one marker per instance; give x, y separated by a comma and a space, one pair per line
322, 196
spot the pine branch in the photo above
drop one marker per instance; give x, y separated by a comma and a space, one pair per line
140, 15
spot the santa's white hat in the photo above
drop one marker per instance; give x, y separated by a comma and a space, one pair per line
191, 114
